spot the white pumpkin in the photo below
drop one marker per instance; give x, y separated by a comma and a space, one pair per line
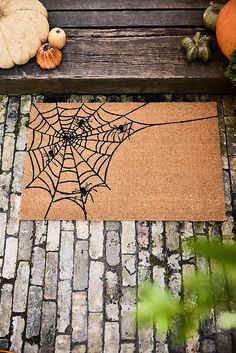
23, 28
57, 38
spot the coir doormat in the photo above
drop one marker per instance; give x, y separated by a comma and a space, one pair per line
123, 161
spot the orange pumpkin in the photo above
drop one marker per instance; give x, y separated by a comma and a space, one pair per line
48, 57
226, 28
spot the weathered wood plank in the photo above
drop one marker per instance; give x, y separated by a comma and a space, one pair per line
124, 4
120, 61
119, 19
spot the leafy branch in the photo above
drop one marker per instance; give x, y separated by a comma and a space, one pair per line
203, 292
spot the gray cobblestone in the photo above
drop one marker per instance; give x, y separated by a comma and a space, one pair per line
18, 171
34, 312
174, 262
79, 349
1, 264
96, 240
82, 230
79, 317
25, 105
208, 346
95, 292
53, 236
146, 340
21, 287
228, 229
127, 348
159, 276
31, 348
144, 267
23, 133
175, 283
80, 281
5, 309
157, 239
142, 234
66, 255
3, 106
48, 328
13, 222
172, 236
51, 276
67, 226
113, 248
112, 295
128, 238
64, 305
1, 134
38, 266
111, 337
112, 225
227, 191
128, 270
162, 348
95, 333
3, 220
12, 114
37, 99
25, 240
18, 324
224, 154
5, 180
232, 161
40, 232
75, 99
128, 301
62, 344
9, 264
8, 152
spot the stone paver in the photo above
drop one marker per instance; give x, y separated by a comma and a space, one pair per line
71, 287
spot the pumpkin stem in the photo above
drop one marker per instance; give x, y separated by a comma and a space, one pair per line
47, 47
215, 7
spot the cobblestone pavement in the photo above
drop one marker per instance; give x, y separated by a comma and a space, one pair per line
72, 286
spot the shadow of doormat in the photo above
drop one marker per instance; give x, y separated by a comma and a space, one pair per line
123, 161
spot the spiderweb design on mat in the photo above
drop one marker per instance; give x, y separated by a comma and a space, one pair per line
71, 149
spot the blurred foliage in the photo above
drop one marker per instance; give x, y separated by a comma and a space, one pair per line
231, 69
203, 290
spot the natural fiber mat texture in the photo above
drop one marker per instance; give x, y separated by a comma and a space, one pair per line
123, 161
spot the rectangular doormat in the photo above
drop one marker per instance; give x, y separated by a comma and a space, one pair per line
123, 161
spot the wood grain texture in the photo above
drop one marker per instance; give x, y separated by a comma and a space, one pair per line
127, 19
124, 4
121, 61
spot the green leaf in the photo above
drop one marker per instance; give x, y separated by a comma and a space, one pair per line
157, 304
214, 249
227, 320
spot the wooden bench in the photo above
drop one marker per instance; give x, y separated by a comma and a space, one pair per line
123, 46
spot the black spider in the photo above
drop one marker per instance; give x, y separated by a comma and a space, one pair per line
80, 122
121, 129
51, 154
85, 191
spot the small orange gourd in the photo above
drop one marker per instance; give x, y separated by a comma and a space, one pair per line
226, 28
48, 57
57, 38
